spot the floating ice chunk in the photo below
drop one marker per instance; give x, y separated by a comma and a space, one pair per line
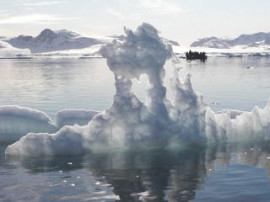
17, 121
238, 126
74, 116
67, 141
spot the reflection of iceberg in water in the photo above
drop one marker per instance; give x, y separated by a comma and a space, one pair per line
161, 122
133, 175
147, 176
154, 175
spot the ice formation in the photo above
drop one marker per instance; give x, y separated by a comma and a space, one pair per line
17, 121
238, 126
74, 116
67, 141
161, 121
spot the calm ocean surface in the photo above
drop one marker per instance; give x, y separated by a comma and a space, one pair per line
221, 173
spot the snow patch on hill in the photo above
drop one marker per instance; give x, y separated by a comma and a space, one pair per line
245, 41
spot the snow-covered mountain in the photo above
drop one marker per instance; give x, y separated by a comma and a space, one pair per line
252, 40
61, 43
49, 40
8, 51
259, 40
211, 42
64, 43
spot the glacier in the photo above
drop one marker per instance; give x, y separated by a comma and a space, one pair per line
162, 121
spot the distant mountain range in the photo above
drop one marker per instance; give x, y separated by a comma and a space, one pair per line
257, 40
66, 43
61, 40
49, 40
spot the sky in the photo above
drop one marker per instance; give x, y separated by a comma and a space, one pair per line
182, 20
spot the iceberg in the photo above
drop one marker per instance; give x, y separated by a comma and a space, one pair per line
67, 141
238, 126
159, 122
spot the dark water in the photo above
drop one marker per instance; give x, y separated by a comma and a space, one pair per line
222, 173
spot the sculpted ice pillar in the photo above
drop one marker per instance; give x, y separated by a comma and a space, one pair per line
142, 52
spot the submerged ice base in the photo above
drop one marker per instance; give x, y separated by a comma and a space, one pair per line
161, 121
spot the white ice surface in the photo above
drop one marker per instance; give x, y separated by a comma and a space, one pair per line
16, 122
73, 116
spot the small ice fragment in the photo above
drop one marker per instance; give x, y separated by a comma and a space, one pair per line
73, 185
215, 104
64, 181
251, 149
106, 185
60, 171
185, 192
268, 157
97, 183
69, 163
78, 177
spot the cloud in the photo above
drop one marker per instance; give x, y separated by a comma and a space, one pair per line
121, 15
162, 7
146, 8
114, 12
42, 3
34, 19
4, 13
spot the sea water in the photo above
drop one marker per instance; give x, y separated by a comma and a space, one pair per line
221, 173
